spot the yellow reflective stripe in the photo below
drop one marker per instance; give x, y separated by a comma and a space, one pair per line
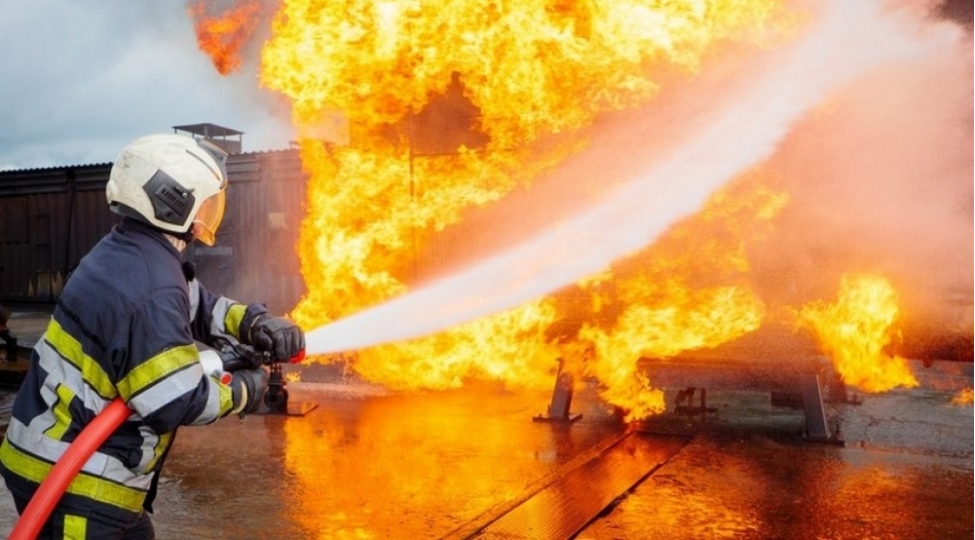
157, 367
226, 399
62, 414
75, 527
161, 446
231, 322
83, 485
70, 348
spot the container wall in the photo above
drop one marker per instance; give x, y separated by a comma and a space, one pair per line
52, 217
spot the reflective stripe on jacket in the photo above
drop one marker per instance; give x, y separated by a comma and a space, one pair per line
122, 327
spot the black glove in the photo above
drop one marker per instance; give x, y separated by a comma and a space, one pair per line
240, 357
248, 386
281, 337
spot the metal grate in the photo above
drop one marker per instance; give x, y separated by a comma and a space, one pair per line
567, 505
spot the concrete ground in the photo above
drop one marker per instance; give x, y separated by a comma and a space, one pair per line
368, 463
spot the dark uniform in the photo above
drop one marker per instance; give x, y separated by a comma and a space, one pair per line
125, 326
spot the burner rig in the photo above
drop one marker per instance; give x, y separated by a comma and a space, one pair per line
235, 356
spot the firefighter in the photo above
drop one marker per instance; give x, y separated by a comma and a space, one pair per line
126, 325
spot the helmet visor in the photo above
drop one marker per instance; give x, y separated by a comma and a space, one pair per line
208, 218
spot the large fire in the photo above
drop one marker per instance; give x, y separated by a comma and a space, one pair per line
521, 82
530, 71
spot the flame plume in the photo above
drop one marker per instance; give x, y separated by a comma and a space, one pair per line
222, 36
855, 331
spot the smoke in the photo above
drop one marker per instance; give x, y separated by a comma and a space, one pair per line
880, 180
231, 33
663, 162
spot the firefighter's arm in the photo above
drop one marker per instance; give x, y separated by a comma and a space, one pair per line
163, 379
216, 317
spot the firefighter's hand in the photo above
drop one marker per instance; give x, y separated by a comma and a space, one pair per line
238, 358
248, 386
279, 336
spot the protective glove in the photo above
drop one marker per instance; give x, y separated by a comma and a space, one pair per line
248, 386
281, 337
240, 357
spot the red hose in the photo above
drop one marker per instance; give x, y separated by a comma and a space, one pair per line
53, 487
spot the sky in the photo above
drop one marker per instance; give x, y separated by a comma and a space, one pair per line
81, 79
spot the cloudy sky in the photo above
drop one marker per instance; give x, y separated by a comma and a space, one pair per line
80, 79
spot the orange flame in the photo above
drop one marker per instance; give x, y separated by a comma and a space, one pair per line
378, 63
855, 331
222, 37
509, 347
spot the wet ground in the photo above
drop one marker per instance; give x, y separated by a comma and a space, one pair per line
366, 463
750, 486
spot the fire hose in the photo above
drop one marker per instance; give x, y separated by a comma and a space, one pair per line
106, 422
64, 471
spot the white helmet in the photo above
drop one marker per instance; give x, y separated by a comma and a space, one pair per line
173, 182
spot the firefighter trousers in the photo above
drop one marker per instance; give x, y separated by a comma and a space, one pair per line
66, 526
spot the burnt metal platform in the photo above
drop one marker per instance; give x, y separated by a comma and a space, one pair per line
795, 382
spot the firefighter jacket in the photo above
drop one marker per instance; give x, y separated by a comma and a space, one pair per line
125, 325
